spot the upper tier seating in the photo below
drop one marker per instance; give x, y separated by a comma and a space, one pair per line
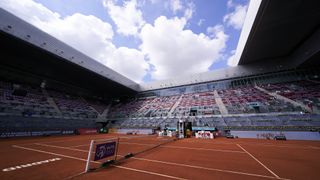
305, 92
29, 102
203, 103
144, 107
25, 100
72, 106
251, 100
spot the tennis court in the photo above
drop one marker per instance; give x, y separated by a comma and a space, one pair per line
65, 157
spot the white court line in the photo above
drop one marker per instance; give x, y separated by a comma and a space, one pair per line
56, 154
206, 168
75, 175
148, 172
142, 144
31, 164
57, 141
183, 147
68, 140
206, 142
80, 159
89, 139
202, 149
258, 144
278, 146
86, 139
61, 147
174, 147
314, 147
259, 162
133, 137
79, 145
185, 165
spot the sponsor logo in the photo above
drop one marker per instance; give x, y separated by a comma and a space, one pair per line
105, 150
30, 164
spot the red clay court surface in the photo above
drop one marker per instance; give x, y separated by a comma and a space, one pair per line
64, 157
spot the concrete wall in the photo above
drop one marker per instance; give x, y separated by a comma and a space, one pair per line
291, 135
28, 124
138, 131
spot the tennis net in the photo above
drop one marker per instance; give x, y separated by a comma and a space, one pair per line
103, 152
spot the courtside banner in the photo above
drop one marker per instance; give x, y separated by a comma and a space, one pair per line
87, 130
105, 150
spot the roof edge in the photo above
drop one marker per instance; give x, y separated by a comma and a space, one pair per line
21, 29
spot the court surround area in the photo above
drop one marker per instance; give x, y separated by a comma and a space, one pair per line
64, 157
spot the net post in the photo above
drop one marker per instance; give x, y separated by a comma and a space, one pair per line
115, 158
89, 156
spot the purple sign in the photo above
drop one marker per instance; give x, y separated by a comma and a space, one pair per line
105, 150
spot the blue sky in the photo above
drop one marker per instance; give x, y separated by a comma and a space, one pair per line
145, 40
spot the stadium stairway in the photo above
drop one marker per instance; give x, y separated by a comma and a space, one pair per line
315, 109
90, 106
105, 112
175, 106
220, 104
314, 81
285, 99
149, 111
51, 101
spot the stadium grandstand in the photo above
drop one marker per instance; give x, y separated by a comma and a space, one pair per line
48, 88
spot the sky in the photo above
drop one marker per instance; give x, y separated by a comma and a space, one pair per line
144, 40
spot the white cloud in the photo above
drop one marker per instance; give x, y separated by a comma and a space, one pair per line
154, 1
230, 4
215, 31
86, 33
77, 31
130, 63
29, 11
232, 61
237, 17
175, 51
175, 5
187, 8
200, 22
128, 18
